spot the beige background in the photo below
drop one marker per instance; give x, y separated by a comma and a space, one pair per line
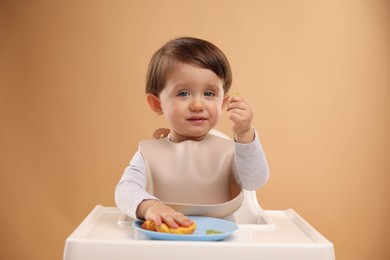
72, 109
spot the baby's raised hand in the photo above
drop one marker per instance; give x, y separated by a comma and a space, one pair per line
160, 213
241, 115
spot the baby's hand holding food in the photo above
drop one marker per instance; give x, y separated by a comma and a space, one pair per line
160, 213
241, 115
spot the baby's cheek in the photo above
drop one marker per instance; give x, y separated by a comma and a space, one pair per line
216, 115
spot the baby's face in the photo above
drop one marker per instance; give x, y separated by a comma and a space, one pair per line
192, 102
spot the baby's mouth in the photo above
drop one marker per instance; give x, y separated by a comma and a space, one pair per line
197, 119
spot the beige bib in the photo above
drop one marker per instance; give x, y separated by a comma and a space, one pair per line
197, 173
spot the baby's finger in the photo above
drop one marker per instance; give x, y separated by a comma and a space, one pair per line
236, 106
183, 221
238, 110
156, 219
170, 221
238, 120
233, 99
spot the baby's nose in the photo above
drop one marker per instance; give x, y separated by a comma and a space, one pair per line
197, 105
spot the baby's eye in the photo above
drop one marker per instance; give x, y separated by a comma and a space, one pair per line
183, 94
209, 93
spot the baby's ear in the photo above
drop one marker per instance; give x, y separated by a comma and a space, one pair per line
225, 101
154, 103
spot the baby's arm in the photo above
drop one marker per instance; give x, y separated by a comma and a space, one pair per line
251, 165
131, 189
132, 199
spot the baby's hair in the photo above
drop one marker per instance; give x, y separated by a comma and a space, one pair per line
191, 51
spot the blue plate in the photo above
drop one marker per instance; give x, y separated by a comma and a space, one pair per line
202, 225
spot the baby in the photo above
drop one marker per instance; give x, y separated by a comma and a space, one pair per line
188, 82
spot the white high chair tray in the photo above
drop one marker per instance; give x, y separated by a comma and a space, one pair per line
280, 234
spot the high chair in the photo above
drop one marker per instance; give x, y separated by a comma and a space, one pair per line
106, 233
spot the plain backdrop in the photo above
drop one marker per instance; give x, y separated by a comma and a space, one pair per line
73, 109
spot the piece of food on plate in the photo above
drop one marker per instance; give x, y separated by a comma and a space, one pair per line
213, 232
150, 225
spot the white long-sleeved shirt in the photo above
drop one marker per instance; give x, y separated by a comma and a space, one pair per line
251, 172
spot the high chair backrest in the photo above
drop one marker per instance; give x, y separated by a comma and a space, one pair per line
250, 211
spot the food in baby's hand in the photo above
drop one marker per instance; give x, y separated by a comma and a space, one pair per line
164, 228
235, 94
149, 225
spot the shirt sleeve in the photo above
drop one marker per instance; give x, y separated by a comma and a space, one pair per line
131, 189
251, 166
